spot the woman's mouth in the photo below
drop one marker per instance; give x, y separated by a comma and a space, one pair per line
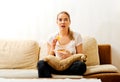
63, 26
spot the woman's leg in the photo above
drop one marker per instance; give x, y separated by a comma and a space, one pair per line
77, 68
43, 69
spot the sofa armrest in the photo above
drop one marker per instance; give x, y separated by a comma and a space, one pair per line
104, 53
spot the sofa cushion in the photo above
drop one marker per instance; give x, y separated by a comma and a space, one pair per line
18, 54
90, 48
105, 68
18, 73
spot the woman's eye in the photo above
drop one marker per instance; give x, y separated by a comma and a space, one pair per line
65, 19
60, 19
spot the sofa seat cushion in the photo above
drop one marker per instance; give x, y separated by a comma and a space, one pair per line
106, 68
18, 73
18, 54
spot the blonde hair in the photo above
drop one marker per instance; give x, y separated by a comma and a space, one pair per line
70, 32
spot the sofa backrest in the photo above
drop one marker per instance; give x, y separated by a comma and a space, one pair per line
21, 54
105, 53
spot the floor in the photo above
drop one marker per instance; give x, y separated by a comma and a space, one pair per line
49, 80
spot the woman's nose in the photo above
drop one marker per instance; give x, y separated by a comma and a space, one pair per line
63, 21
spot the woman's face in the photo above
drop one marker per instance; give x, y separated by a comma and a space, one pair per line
63, 21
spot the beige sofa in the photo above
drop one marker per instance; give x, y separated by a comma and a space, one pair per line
18, 59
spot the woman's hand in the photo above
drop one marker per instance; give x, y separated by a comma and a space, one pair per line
84, 57
53, 44
51, 47
63, 53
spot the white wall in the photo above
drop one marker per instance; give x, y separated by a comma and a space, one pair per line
36, 19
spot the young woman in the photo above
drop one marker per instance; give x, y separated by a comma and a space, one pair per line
64, 40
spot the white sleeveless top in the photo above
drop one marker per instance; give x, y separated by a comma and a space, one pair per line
71, 46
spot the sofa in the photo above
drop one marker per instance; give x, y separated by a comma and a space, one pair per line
18, 59
105, 59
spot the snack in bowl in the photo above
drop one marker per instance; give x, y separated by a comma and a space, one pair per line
61, 51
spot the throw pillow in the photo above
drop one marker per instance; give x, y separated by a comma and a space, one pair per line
18, 54
90, 48
63, 64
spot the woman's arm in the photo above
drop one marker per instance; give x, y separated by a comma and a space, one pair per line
79, 49
49, 50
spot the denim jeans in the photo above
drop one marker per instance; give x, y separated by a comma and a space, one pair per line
45, 70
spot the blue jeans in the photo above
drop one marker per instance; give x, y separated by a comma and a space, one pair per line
45, 70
